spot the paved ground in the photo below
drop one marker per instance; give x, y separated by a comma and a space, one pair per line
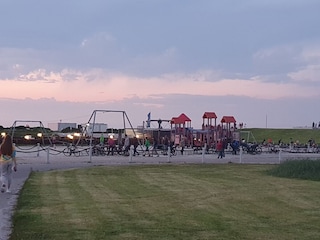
42, 161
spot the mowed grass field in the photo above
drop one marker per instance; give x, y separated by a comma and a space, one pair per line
214, 201
285, 135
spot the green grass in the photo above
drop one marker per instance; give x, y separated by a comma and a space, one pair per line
300, 169
286, 135
167, 202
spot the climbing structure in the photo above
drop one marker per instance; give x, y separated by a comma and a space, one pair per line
228, 127
181, 128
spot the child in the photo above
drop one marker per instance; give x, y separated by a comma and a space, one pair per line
147, 144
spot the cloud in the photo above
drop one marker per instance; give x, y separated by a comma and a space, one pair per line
150, 105
277, 59
310, 73
100, 39
311, 54
152, 64
99, 85
275, 52
100, 50
130, 55
39, 75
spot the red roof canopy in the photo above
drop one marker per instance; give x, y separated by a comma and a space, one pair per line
184, 117
209, 115
174, 120
181, 119
228, 119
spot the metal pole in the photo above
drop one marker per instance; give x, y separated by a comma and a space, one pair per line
280, 156
169, 154
38, 152
131, 153
203, 152
91, 138
90, 152
48, 149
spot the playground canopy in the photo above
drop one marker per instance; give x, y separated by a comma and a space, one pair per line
207, 120
182, 119
209, 115
228, 119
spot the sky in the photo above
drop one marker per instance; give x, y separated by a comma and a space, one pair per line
256, 60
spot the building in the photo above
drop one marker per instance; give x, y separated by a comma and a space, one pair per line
60, 126
96, 128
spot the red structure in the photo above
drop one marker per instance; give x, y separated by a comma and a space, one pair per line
210, 132
207, 118
228, 126
181, 121
181, 126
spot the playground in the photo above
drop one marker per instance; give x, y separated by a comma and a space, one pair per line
94, 138
78, 152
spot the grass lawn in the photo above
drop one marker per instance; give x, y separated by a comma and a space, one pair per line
285, 135
227, 201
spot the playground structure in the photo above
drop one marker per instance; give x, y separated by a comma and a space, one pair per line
211, 132
42, 134
87, 140
181, 128
82, 141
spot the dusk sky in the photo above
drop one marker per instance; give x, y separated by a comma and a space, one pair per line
256, 60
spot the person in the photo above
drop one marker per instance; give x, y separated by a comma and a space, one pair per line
182, 144
111, 145
220, 149
126, 145
165, 144
135, 145
235, 146
147, 145
155, 147
172, 148
101, 140
8, 163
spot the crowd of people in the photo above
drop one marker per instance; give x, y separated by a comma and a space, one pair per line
151, 146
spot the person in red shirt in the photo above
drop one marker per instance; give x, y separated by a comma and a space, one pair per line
111, 145
220, 149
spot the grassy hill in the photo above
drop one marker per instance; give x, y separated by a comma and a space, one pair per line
286, 135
